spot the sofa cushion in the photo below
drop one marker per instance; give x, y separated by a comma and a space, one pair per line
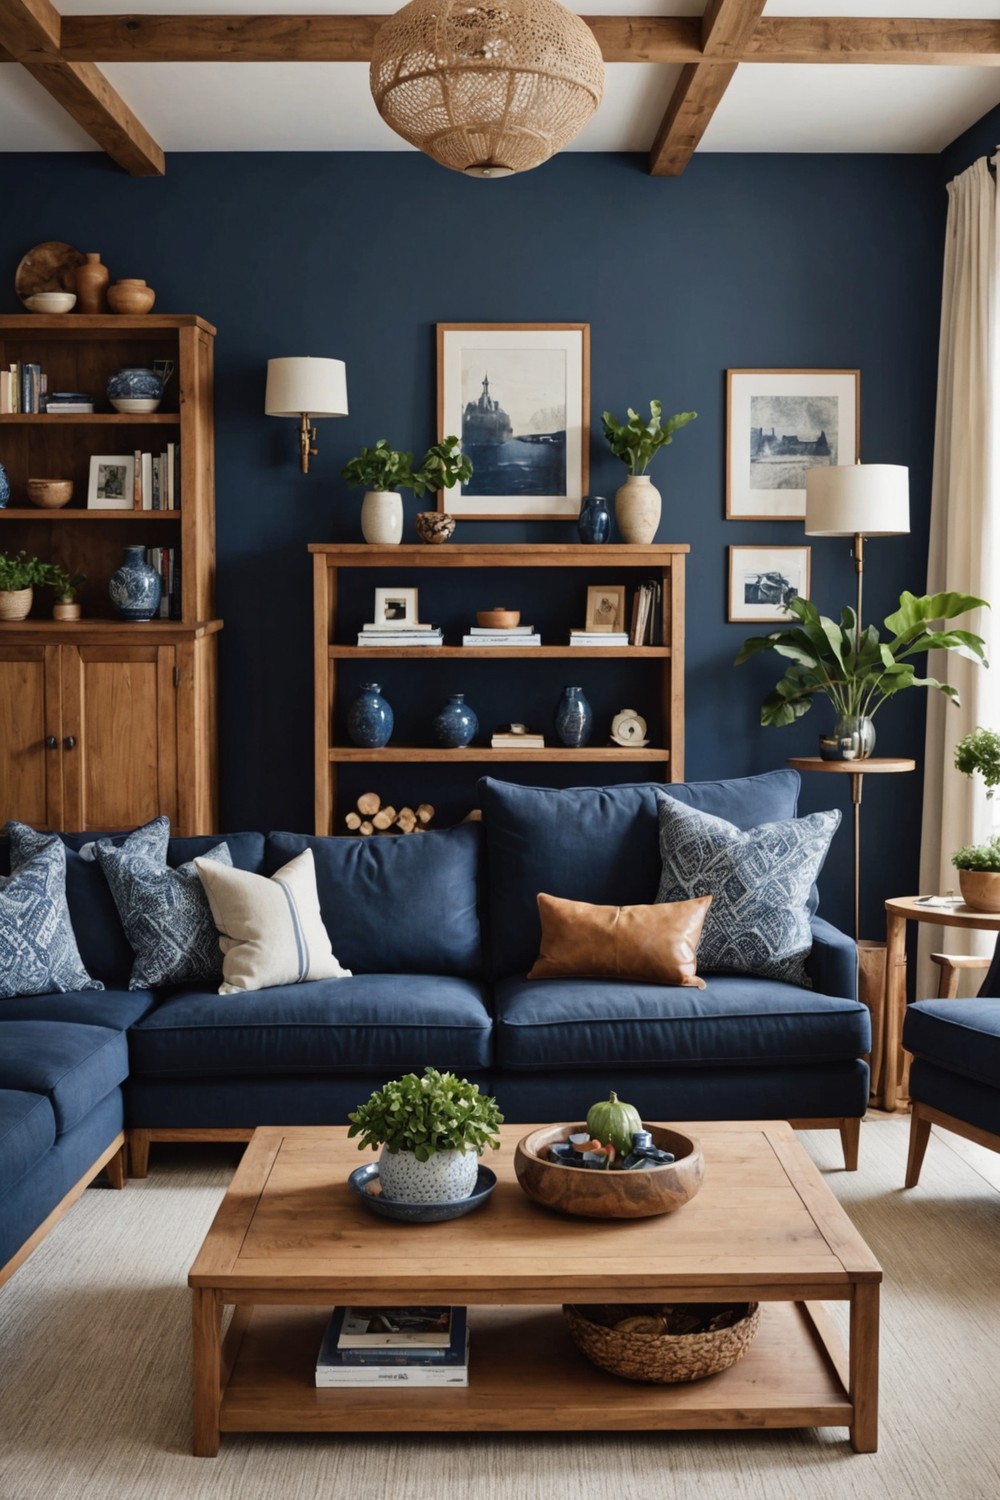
116, 1009
759, 880
387, 1022
596, 844
38, 949
962, 1036
27, 1131
397, 904
657, 944
734, 1021
73, 1066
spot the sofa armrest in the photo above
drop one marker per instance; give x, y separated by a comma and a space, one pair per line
833, 963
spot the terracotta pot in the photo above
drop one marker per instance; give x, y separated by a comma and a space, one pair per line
980, 889
637, 509
131, 296
92, 284
66, 611
15, 603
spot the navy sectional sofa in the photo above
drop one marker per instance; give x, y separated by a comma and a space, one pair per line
439, 931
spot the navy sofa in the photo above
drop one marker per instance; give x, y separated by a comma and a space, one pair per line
439, 931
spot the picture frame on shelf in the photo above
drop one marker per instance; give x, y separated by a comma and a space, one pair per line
112, 482
763, 579
395, 607
605, 607
779, 424
517, 395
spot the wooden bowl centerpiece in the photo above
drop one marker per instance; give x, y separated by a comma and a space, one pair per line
609, 1194
50, 494
498, 618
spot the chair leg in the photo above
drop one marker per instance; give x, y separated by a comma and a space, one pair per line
920, 1130
116, 1169
850, 1139
138, 1149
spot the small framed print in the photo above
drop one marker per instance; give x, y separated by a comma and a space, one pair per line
395, 607
112, 482
780, 424
605, 607
763, 580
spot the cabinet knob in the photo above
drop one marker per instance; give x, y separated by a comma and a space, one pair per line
69, 743
51, 743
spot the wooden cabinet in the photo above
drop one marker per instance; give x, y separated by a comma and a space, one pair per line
537, 569
104, 723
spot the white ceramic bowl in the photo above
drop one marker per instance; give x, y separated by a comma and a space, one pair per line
51, 302
136, 403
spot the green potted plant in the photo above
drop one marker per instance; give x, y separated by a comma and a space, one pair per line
980, 751
65, 586
858, 671
978, 865
432, 1128
20, 575
383, 471
636, 442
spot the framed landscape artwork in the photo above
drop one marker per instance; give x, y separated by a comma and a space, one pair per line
780, 424
762, 580
517, 395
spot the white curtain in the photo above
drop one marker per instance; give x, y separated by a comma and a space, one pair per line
964, 539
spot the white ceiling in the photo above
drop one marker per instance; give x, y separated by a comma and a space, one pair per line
327, 106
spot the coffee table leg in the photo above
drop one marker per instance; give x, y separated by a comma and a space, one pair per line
895, 1004
206, 1335
864, 1367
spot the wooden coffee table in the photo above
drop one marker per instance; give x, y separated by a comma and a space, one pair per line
291, 1240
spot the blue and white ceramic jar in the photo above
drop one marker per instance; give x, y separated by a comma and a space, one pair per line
135, 390
594, 521
369, 718
136, 587
456, 725
4, 487
573, 718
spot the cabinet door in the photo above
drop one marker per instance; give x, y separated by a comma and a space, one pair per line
119, 735
30, 736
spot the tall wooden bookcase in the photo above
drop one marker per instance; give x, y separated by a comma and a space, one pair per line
664, 758
107, 723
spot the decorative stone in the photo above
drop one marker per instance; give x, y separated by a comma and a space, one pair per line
135, 587
456, 725
433, 526
445, 1177
370, 718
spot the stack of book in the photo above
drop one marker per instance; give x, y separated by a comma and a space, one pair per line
647, 621
157, 479
394, 1346
398, 634
22, 389
599, 638
517, 635
167, 562
506, 738
67, 403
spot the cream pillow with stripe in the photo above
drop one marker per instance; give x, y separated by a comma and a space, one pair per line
270, 928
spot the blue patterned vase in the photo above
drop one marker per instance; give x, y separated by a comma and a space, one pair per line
369, 718
4, 487
594, 522
135, 587
456, 725
573, 718
135, 390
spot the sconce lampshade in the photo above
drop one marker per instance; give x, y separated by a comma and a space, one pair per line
489, 87
300, 385
858, 500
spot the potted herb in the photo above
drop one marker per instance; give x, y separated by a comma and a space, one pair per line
432, 1129
978, 867
65, 586
383, 471
636, 442
20, 575
857, 671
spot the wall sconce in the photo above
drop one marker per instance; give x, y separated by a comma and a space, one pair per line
306, 388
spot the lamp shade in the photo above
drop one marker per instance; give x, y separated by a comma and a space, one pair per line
298, 385
858, 500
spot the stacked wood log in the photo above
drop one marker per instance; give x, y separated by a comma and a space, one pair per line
371, 816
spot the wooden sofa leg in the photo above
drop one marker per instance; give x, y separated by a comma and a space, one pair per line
850, 1139
117, 1168
920, 1132
138, 1148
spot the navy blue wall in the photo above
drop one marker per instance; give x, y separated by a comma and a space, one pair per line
744, 261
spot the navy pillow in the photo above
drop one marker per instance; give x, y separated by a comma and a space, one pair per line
396, 903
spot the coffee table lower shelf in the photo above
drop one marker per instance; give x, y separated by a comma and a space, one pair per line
527, 1375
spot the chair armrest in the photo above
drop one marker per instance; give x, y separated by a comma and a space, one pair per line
833, 963
952, 966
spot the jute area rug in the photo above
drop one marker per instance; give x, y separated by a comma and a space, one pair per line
94, 1365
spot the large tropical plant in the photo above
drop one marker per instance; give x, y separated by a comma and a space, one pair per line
855, 669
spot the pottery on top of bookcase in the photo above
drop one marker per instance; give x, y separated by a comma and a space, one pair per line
92, 284
131, 296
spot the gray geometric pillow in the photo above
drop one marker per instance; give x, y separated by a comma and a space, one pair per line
759, 881
38, 952
165, 912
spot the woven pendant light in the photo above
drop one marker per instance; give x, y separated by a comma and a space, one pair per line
486, 87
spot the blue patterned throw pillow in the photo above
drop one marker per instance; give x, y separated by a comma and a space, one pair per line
759, 881
164, 911
38, 951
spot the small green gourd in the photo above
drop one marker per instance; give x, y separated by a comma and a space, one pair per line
611, 1120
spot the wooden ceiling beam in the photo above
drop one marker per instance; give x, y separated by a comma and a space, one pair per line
187, 38
820, 39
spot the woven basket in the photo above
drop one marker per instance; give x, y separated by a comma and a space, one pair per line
664, 1358
15, 603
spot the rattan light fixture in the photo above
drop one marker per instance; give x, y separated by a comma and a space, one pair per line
486, 87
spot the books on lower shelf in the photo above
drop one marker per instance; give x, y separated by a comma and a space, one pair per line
598, 638
167, 562
400, 635
386, 1346
517, 637
647, 619
157, 479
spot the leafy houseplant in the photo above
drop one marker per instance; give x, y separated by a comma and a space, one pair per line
65, 586
636, 442
978, 865
980, 751
979, 856
383, 471
20, 575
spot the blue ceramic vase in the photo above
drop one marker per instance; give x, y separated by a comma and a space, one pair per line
4, 487
594, 522
135, 587
456, 725
573, 718
369, 718
135, 385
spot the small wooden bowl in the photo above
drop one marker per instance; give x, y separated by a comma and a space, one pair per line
130, 296
498, 619
609, 1195
50, 494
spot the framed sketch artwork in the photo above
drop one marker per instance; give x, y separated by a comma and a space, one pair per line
517, 396
112, 482
779, 424
762, 580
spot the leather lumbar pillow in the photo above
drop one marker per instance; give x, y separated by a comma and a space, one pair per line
654, 944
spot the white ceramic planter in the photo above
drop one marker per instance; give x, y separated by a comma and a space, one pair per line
382, 517
446, 1177
637, 509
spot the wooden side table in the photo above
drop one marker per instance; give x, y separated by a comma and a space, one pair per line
899, 911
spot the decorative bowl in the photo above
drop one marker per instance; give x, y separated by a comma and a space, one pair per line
364, 1181
609, 1195
434, 526
498, 619
50, 494
131, 296
665, 1358
51, 302
135, 390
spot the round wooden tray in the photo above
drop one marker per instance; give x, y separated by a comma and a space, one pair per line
609, 1195
48, 267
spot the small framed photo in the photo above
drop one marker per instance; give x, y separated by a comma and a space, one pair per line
763, 580
605, 607
112, 482
395, 607
779, 424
